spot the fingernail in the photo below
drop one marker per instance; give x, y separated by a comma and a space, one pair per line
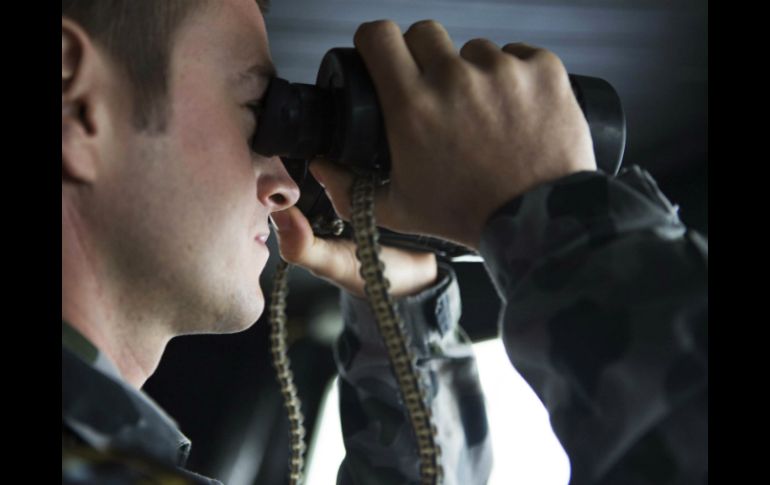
281, 220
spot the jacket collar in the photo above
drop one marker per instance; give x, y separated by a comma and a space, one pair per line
106, 412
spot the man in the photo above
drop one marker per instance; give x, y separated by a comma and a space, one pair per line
165, 210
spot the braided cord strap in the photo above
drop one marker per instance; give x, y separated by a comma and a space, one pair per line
279, 351
393, 330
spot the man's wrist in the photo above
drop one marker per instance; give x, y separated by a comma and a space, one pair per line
422, 275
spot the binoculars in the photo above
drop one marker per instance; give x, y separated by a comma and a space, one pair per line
340, 119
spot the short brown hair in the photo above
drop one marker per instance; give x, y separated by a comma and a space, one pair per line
138, 35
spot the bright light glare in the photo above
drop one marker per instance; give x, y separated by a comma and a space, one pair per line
327, 449
525, 448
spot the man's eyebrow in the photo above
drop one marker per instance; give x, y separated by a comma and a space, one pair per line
257, 72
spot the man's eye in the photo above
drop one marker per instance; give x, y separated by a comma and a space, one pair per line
256, 108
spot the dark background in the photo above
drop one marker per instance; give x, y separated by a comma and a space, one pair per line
221, 389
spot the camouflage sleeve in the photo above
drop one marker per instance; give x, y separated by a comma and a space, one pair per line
380, 445
606, 317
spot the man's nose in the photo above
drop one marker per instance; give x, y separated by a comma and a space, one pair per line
275, 187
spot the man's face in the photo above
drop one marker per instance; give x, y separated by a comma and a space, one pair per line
188, 206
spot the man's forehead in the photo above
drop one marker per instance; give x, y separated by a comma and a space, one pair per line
233, 33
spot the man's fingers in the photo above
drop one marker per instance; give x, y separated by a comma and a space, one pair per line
481, 52
295, 236
549, 65
521, 50
388, 60
429, 42
298, 245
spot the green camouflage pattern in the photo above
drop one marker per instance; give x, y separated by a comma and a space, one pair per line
607, 320
380, 443
605, 315
111, 432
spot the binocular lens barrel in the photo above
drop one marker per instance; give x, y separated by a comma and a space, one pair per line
340, 118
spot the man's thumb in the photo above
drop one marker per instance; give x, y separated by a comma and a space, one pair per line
295, 236
337, 181
282, 220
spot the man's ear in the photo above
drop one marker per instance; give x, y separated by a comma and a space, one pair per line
84, 109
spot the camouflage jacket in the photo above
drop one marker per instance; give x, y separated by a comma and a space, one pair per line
605, 315
111, 432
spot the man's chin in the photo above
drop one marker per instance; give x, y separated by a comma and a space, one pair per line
235, 327
250, 318
242, 317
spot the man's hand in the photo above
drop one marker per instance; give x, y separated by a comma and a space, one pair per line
467, 132
335, 260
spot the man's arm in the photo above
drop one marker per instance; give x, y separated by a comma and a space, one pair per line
381, 447
607, 319
606, 289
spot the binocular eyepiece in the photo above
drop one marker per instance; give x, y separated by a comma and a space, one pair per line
340, 119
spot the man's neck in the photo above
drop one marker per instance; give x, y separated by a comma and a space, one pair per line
135, 356
133, 342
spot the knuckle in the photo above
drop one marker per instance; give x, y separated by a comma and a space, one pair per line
504, 67
517, 45
548, 60
473, 45
478, 42
553, 68
456, 72
428, 24
514, 47
485, 53
374, 30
